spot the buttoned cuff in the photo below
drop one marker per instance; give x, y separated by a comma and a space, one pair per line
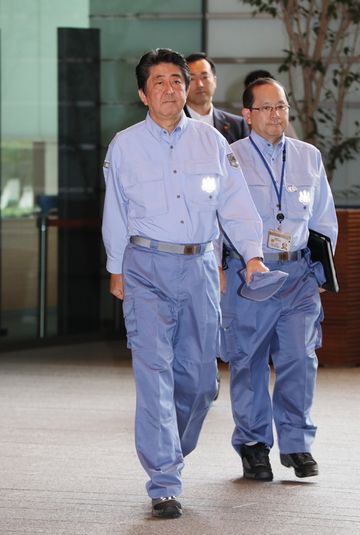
251, 250
114, 266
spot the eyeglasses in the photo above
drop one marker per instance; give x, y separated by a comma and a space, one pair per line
280, 108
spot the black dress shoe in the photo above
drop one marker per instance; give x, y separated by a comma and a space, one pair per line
304, 463
256, 463
166, 507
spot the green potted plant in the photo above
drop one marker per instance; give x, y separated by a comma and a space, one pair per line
322, 64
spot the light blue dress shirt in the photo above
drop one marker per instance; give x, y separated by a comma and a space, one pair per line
307, 201
174, 188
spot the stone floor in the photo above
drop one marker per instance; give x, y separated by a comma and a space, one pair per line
68, 464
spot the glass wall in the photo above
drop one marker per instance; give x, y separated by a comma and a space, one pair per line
53, 280
29, 153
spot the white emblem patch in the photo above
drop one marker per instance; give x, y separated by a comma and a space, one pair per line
304, 197
208, 184
291, 188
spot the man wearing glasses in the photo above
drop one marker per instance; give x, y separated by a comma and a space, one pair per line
287, 180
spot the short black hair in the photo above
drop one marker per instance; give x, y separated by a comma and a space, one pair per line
156, 56
197, 56
254, 75
248, 95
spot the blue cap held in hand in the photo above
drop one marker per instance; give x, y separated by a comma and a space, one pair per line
263, 285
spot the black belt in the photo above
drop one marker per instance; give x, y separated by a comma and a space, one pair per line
285, 256
166, 247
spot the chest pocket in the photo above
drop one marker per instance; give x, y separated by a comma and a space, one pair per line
202, 185
262, 196
299, 203
146, 193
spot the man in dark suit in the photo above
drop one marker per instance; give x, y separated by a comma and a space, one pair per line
199, 101
199, 106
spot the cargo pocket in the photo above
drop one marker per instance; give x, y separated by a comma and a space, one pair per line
316, 269
228, 346
130, 319
318, 341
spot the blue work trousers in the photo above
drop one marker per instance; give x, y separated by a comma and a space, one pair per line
287, 326
172, 317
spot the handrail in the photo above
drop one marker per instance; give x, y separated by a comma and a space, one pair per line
44, 221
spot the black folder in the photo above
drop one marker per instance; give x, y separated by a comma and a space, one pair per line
321, 250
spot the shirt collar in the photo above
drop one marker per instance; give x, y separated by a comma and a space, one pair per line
160, 133
265, 146
208, 118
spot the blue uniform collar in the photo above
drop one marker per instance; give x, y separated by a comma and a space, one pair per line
265, 146
159, 132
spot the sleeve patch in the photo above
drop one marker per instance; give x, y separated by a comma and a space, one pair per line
232, 160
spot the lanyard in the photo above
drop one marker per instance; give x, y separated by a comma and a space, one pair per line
278, 191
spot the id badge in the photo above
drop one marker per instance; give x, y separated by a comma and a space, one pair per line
279, 240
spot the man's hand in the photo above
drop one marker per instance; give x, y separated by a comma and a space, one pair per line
222, 277
117, 286
254, 265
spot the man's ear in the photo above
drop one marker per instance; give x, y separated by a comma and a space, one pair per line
143, 97
246, 113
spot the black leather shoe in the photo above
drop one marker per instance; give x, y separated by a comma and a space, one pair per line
166, 507
256, 462
304, 463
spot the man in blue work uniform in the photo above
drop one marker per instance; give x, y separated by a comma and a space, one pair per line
288, 184
168, 178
